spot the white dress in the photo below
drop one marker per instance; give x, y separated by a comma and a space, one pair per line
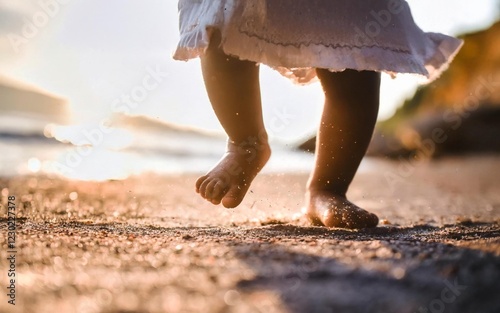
296, 36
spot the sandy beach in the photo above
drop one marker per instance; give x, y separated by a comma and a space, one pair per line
150, 244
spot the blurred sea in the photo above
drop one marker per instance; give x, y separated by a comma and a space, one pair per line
135, 145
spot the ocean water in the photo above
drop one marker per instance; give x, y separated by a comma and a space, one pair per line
91, 152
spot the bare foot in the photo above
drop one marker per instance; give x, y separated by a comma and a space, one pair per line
330, 210
229, 180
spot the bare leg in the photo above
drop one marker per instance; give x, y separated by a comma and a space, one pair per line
349, 116
233, 88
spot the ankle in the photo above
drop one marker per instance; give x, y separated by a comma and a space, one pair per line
317, 189
254, 143
250, 150
257, 139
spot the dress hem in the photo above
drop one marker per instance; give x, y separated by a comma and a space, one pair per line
298, 63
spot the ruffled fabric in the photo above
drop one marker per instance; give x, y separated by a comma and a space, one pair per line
297, 36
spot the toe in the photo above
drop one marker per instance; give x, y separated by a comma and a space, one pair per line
372, 220
203, 187
365, 219
233, 197
209, 190
200, 181
215, 201
218, 192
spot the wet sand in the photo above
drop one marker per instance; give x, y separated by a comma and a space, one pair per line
150, 244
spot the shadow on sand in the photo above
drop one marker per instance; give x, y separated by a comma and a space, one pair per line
388, 269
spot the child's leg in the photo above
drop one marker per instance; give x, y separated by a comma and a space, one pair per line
349, 116
234, 91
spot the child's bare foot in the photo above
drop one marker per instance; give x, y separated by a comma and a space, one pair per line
327, 209
229, 180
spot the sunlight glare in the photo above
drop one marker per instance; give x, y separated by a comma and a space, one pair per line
96, 165
34, 165
90, 135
